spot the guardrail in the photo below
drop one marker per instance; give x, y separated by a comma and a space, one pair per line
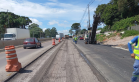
17, 42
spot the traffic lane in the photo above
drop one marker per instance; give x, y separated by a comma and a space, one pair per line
25, 59
23, 52
113, 60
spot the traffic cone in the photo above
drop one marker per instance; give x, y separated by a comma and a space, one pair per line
53, 42
59, 39
12, 60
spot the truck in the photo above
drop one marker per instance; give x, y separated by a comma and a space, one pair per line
66, 36
60, 35
16, 33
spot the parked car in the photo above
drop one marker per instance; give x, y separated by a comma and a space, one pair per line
81, 38
31, 42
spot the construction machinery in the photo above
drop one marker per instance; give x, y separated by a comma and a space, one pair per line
90, 34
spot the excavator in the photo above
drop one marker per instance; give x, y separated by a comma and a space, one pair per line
90, 34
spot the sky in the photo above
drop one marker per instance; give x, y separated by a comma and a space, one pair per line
60, 14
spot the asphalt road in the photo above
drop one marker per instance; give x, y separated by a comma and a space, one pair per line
115, 65
24, 56
69, 66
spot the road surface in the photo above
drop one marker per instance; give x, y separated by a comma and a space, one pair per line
25, 56
115, 65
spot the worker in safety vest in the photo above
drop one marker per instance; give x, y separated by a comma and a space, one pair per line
135, 55
75, 39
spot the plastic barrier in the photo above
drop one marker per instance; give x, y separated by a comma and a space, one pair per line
12, 60
53, 41
59, 39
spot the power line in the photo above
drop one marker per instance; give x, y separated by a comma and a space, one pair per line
86, 10
83, 15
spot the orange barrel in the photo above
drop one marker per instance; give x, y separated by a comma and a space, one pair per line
53, 41
12, 60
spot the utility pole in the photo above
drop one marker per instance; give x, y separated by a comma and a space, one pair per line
8, 17
88, 16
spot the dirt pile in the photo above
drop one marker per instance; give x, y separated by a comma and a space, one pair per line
117, 41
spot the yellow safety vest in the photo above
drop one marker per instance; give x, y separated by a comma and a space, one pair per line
75, 38
136, 50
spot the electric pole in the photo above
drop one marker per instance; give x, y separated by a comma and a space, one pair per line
88, 16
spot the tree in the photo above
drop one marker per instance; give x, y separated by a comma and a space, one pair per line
128, 8
48, 32
71, 32
76, 26
33, 25
53, 32
99, 10
83, 31
111, 14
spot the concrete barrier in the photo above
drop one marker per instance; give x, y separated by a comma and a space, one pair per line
17, 42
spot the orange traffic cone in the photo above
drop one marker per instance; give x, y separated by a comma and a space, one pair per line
59, 39
12, 60
53, 42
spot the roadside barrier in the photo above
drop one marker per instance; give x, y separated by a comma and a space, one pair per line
53, 41
12, 60
59, 39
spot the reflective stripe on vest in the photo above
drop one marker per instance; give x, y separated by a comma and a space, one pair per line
136, 50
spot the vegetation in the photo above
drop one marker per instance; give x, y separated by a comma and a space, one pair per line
118, 14
76, 26
130, 33
15, 21
51, 32
100, 37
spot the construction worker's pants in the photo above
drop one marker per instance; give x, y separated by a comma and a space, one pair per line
75, 41
135, 73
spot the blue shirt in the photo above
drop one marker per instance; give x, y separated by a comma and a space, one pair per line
134, 40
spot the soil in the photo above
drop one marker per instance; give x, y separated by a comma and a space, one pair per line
117, 41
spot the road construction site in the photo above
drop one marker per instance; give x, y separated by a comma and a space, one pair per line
70, 62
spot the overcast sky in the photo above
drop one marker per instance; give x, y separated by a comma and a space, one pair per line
53, 13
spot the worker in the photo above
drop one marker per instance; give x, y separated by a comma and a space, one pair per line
75, 39
135, 55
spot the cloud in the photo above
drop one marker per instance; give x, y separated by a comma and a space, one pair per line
53, 22
35, 21
63, 24
53, 0
44, 29
64, 31
49, 10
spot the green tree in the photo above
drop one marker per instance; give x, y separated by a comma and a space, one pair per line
99, 10
71, 32
48, 32
76, 26
111, 14
33, 25
83, 31
53, 32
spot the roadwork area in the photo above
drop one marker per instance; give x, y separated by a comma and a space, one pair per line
69, 66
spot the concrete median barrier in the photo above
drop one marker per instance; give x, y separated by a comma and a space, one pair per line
17, 42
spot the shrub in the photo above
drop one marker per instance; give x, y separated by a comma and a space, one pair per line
100, 37
125, 23
130, 33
